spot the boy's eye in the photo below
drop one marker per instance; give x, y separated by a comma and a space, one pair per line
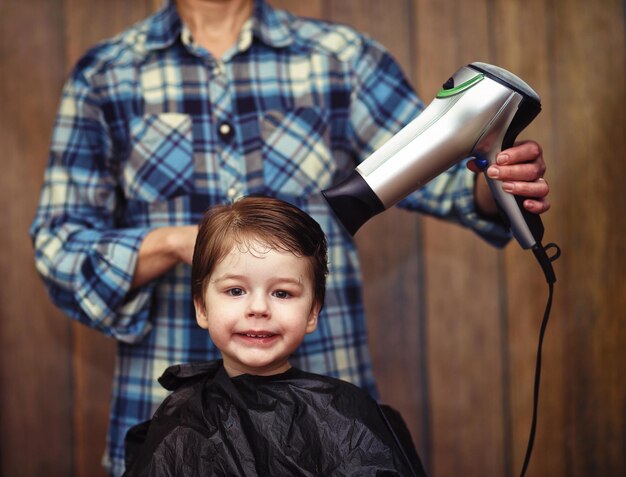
282, 294
235, 291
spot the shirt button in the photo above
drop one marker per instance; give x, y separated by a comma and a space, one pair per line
225, 131
232, 192
218, 69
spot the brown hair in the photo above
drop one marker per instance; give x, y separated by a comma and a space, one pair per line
275, 223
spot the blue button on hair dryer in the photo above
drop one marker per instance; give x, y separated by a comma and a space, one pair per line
479, 112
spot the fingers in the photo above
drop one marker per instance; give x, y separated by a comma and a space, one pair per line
537, 206
527, 171
522, 152
537, 189
521, 170
523, 162
535, 193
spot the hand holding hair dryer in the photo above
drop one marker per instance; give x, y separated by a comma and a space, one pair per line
478, 112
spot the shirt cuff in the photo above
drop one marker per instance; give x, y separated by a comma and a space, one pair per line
491, 229
105, 294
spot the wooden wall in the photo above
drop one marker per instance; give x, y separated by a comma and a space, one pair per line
453, 323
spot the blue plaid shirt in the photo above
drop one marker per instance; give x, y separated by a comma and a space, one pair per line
152, 130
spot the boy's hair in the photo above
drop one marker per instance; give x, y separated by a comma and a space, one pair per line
273, 222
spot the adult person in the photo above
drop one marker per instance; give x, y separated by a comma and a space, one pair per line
201, 103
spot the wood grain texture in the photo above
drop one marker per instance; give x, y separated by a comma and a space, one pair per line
588, 64
36, 402
521, 44
463, 280
453, 323
310, 8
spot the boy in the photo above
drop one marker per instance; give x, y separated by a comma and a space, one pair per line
258, 283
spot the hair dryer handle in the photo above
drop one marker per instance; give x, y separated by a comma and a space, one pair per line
526, 227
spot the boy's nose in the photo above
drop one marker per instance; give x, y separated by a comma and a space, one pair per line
258, 306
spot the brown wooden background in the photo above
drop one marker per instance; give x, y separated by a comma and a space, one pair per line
453, 322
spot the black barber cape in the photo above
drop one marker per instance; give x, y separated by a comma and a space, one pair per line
291, 424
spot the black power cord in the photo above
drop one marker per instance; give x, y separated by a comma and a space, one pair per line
541, 253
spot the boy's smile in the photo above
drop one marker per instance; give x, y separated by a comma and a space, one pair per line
259, 305
257, 337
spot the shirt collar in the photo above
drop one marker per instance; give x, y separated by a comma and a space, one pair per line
267, 25
163, 28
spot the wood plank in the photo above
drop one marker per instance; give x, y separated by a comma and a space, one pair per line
392, 262
520, 38
463, 274
94, 354
35, 376
310, 8
587, 69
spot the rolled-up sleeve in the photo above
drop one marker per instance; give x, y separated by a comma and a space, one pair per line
86, 261
450, 196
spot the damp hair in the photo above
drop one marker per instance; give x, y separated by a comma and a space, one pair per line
274, 223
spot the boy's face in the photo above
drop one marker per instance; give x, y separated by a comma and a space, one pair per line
258, 306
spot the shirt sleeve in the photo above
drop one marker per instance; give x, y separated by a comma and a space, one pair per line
86, 262
382, 103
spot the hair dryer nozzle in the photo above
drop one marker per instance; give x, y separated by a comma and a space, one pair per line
353, 202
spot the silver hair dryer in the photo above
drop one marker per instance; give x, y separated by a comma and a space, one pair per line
478, 112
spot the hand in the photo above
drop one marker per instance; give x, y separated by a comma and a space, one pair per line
161, 249
520, 170
183, 241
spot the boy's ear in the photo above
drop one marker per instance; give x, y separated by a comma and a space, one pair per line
311, 323
201, 316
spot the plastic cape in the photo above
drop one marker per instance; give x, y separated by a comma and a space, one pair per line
291, 424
